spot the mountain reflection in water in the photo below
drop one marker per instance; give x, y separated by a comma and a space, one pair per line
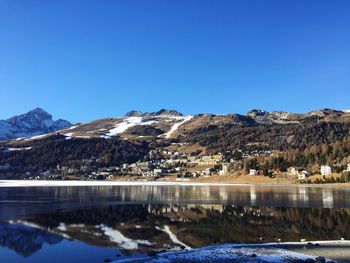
146, 220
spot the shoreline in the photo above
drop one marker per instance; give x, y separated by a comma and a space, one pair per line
308, 251
53, 183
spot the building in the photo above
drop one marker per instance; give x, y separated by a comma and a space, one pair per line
253, 172
298, 172
326, 170
192, 159
294, 171
210, 159
73, 170
85, 168
207, 160
158, 172
225, 169
217, 157
347, 170
206, 172
303, 174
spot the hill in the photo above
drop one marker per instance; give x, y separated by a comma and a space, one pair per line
130, 138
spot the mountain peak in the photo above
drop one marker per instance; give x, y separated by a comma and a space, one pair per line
133, 113
34, 122
38, 110
168, 112
256, 112
36, 115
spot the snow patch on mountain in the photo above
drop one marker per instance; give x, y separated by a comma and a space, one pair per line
37, 137
126, 124
72, 127
69, 135
11, 149
176, 126
137, 120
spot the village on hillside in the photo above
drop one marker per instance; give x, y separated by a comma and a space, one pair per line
170, 165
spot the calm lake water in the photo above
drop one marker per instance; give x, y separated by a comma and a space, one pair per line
93, 224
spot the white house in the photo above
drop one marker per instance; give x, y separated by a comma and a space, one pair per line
225, 169
348, 169
253, 172
206, 172
157, 172
303, 174
326, 170
293, 171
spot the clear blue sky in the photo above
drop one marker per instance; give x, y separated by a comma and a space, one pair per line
83, 60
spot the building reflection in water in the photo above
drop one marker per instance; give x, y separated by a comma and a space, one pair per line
327, 197
252, 195
303, 194
147, 219
155, 227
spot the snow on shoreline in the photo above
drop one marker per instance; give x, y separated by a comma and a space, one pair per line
261, 253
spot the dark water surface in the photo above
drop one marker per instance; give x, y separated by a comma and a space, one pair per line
92, 224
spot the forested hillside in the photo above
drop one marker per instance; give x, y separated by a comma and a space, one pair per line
50, 153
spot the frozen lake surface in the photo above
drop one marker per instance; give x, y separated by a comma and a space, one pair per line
94, 223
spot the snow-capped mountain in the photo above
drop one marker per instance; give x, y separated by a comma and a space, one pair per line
159, 124
32, 123
170, 124
162, 124
130, 138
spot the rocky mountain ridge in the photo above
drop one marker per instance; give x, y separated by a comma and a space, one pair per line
32, 123
282, 117
164, 123
128, 139
162, 112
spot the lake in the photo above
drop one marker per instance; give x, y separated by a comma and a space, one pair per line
102, 223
